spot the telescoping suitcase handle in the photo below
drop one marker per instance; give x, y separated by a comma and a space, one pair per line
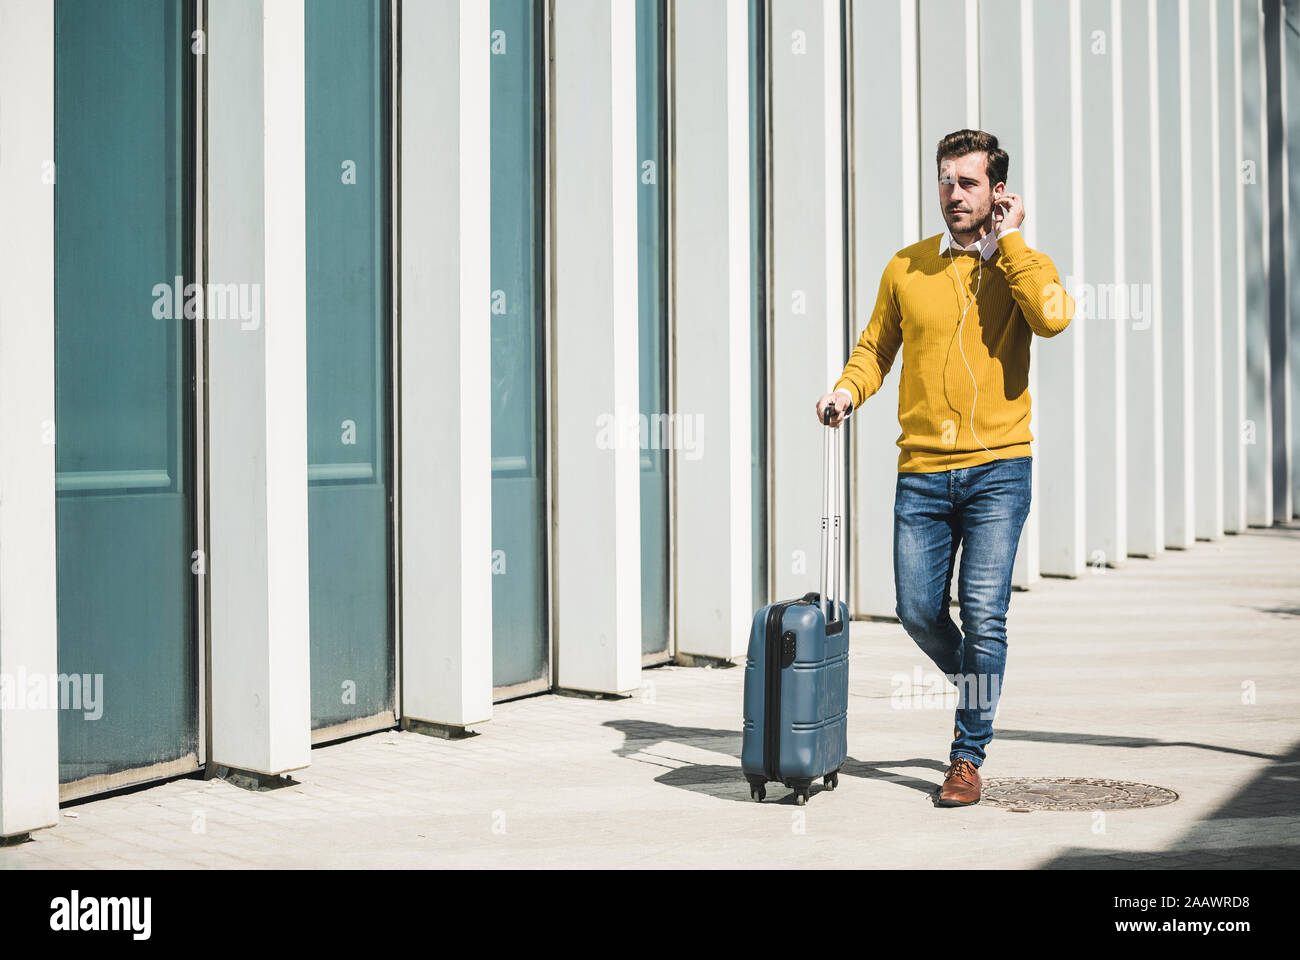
830, 491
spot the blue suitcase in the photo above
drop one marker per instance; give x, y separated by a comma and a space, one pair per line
797, 676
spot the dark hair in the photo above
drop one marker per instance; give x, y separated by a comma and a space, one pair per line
973, 141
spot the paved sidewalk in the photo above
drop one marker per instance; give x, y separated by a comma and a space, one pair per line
1134, 674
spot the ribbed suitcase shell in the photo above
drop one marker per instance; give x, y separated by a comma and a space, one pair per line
813, 694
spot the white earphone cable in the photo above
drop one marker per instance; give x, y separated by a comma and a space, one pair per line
960, 325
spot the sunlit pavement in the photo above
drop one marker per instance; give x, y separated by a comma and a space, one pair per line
1181, 672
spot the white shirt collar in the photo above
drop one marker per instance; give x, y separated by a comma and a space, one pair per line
986, 245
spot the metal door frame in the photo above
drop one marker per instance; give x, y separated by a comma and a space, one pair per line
668, 91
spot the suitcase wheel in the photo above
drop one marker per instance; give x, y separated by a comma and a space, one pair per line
832, 780
757, 792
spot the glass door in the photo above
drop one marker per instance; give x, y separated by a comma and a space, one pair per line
652, 257
349, 491
124, 391
520, 620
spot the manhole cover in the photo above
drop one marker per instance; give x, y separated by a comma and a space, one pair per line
1073, 793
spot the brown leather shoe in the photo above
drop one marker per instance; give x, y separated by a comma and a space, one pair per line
961, 787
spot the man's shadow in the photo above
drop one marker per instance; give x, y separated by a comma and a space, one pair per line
726, 782
640, 738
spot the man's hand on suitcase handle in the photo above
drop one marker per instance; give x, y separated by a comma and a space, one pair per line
838, 404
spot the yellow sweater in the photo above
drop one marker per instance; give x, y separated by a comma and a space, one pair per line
918, 307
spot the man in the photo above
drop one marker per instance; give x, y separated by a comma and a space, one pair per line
963, 304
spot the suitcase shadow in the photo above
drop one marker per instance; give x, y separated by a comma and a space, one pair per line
643, 741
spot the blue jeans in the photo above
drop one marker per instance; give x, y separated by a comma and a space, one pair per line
982, 509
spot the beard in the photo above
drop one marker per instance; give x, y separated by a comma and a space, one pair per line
966, 220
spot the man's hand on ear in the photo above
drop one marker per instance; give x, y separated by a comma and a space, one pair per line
1012, 211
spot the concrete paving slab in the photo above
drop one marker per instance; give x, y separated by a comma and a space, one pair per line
1182, 672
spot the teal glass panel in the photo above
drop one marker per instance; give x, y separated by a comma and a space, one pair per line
652, 250
758, 291
520, 634
348, 365
123, 383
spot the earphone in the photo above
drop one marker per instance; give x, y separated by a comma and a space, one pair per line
961, 324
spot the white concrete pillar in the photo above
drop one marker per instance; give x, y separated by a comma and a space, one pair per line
596, 546
1205, 314
1279, 257
446, 376
1103, 284
257, 400
1176, 281
808, 323
888, 182
29, 644
713, 535
949, 36
1007, 111
1257, 435
1054, 224
1141, 330
1232, 268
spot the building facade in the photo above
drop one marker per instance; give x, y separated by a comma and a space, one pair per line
369, 362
